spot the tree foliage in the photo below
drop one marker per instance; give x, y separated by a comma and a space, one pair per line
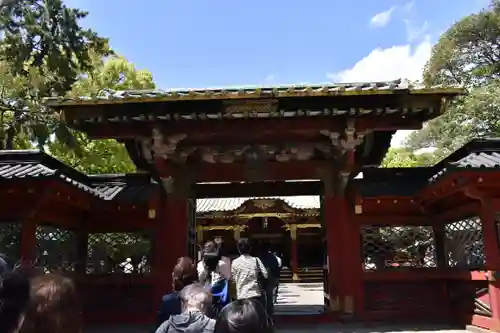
468, 53
476, 115
43, 50
404, 158
103, 156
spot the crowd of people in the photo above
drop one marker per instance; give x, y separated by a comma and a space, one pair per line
213, 295
217, 295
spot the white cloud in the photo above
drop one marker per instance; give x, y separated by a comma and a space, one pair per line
414, 32
400, 61
381, 19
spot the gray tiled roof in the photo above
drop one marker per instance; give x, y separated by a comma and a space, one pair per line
23, 164
483, 154
302, 90
30, 164
479, 160
124, 188
229, 204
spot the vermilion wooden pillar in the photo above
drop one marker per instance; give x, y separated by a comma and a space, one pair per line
170, 240
28, 242
344, 255
492, 252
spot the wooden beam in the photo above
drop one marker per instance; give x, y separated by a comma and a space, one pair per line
220, 172
400, 220
456, 213
258, 189
245, 127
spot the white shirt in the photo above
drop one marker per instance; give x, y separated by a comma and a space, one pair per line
280, 263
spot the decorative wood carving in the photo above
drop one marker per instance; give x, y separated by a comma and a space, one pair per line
251, 107
352, 138
264, 204
165, 147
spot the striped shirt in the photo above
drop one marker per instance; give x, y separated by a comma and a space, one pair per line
244, 272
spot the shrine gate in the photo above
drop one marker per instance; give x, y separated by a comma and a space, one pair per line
401, 244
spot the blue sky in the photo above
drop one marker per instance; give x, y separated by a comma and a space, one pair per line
200, 43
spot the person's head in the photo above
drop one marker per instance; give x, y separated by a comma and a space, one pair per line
243, 246
211, 255
209, 247
243, 316
14, 300
54, 306
195, 297
184, 273
219, 242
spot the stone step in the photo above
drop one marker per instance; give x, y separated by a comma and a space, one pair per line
305, 274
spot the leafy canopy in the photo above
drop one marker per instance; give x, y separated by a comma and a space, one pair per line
468, 53
103, 156
404, 158
43, 51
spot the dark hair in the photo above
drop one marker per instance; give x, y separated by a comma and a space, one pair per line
54, 306
184, 273
14, 300
244, 316
211, 255
243, 246
220, 246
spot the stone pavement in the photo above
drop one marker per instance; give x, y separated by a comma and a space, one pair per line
300, 299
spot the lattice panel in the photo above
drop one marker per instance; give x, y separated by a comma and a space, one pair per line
10, 241
57, 249
124, 252
464, 244
398, 246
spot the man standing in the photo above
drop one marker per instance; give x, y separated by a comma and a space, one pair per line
272, 266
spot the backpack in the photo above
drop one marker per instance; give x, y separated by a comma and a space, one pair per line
220, 297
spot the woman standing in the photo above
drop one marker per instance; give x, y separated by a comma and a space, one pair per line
184, 274
249, 273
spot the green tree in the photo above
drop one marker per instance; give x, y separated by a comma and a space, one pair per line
468, 53
102, 156
43, 50
476, 115
404, 158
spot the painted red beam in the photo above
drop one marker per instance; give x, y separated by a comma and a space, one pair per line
294, 170
456, 213
392, 220
423, 274
247, 127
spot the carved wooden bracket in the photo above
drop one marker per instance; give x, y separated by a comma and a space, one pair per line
352, 138
165, 147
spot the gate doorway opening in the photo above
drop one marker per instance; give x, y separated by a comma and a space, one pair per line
288, 226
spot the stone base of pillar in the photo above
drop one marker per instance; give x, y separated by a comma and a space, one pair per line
295, 277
